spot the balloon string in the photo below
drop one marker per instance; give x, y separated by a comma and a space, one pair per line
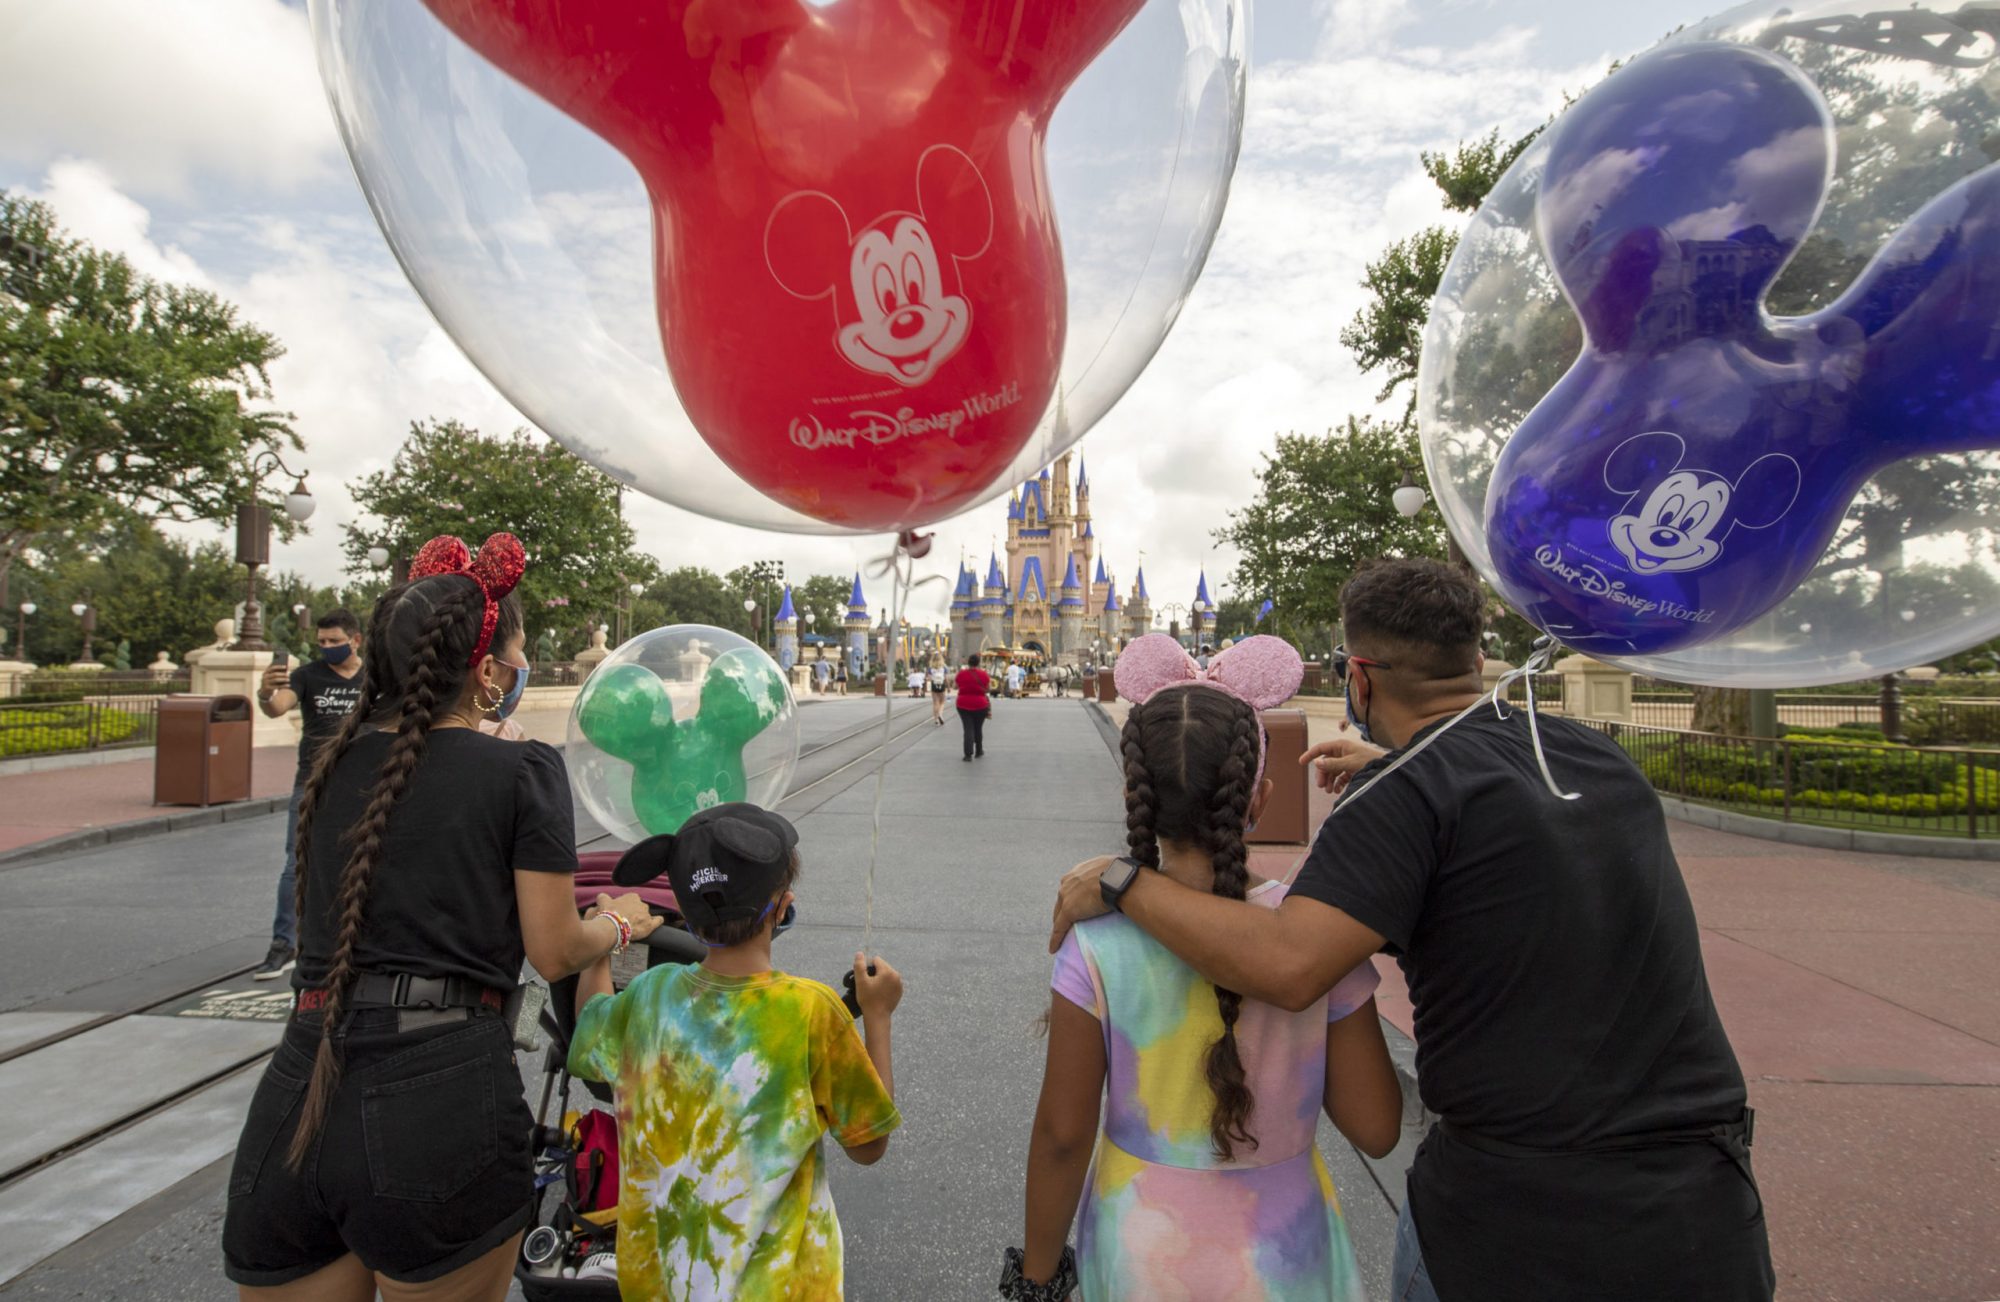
1536, 663
900, 566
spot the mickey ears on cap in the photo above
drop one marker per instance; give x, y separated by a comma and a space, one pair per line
1261, 671
644, 861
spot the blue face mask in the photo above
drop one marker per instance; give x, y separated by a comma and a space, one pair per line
513, 696
337, 653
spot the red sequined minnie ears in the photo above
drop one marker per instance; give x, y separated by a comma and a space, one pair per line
496, 569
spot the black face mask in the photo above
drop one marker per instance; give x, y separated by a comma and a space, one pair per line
337, 653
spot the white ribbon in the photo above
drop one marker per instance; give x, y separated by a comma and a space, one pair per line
1537, 662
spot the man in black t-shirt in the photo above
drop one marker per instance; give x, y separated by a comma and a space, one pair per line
1593, 1137
325, 690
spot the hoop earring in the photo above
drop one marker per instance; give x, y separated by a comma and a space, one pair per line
488, 708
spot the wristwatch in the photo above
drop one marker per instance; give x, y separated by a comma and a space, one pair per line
1117, 879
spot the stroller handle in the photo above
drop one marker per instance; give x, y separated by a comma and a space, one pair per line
676, 945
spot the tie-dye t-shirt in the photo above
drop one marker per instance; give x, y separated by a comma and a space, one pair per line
724, 1086
1162, 1217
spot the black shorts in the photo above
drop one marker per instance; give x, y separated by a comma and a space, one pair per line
422, 1166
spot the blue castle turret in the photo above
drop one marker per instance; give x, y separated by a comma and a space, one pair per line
1069, 613
857, 630
787, 628
995, 607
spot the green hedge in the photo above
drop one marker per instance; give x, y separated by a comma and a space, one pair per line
66, 728
1869, 779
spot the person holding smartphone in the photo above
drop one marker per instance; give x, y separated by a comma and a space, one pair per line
325, 691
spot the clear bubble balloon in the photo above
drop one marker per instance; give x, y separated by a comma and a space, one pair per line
1711, 386
676, 720
814, 265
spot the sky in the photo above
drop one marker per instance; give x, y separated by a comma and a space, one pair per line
195, 138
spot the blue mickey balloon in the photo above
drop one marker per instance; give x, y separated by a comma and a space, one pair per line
1693, 464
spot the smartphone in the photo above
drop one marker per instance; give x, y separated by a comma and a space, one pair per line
280, 657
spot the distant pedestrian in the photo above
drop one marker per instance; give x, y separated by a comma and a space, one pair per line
387, 1146
915, 682
938, 685
325, 690
840, 678
974, 707
822, 674
1208, 1181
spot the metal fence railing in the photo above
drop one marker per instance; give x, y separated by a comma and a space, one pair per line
1929, 791
1550, 693
70, 684
59, 726
1926, 719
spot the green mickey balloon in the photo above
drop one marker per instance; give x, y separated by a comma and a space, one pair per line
680, 766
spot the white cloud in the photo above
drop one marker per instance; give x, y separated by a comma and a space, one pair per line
93, 208
166, 97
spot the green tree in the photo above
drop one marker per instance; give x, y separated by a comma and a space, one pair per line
1322, 508
693, 595
822, 595
120, 397
450, 478
154, 592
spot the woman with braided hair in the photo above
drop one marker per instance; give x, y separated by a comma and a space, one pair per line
1205, 1181
387, 1146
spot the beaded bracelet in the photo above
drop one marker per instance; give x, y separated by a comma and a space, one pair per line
624, 940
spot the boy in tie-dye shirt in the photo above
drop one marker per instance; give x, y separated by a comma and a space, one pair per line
728, 1073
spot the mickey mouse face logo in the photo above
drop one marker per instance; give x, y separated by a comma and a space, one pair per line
902, 315
1687, 514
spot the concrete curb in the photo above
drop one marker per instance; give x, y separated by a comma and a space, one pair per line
1829, 838
91, 838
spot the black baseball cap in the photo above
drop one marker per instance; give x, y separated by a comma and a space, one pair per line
724, 864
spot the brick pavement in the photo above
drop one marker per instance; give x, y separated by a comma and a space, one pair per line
56, 802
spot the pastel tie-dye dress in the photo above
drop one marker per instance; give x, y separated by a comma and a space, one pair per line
724, 1087
1162, 1218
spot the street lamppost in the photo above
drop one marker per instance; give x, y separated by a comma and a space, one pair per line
1409, 498
750, 616
253, 540
21, 630
1172, 611
303, 614
86, 612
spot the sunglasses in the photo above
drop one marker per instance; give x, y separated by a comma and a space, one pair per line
1342, 658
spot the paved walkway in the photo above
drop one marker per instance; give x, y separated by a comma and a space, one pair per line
1862, 994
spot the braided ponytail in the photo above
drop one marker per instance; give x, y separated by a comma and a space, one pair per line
1228, 809
432, 679
1190, 765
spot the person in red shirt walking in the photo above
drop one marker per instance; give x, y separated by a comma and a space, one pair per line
974, 706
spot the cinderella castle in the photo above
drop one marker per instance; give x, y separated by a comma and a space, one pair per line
1042, 600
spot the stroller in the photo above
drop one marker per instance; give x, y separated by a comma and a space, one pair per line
575, 1213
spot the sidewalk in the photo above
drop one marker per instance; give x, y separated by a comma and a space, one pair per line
36, 807
1862, 994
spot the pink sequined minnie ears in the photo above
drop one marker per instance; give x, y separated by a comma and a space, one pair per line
1263, 672
496, 569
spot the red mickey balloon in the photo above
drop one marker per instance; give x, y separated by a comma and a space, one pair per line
857, 273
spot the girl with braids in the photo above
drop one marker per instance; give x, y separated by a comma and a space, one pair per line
1205, 1182
387, 1146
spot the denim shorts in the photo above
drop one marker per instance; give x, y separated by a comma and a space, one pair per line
423, 1163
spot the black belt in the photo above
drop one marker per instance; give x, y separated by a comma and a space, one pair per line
1733, 1138
402, 990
